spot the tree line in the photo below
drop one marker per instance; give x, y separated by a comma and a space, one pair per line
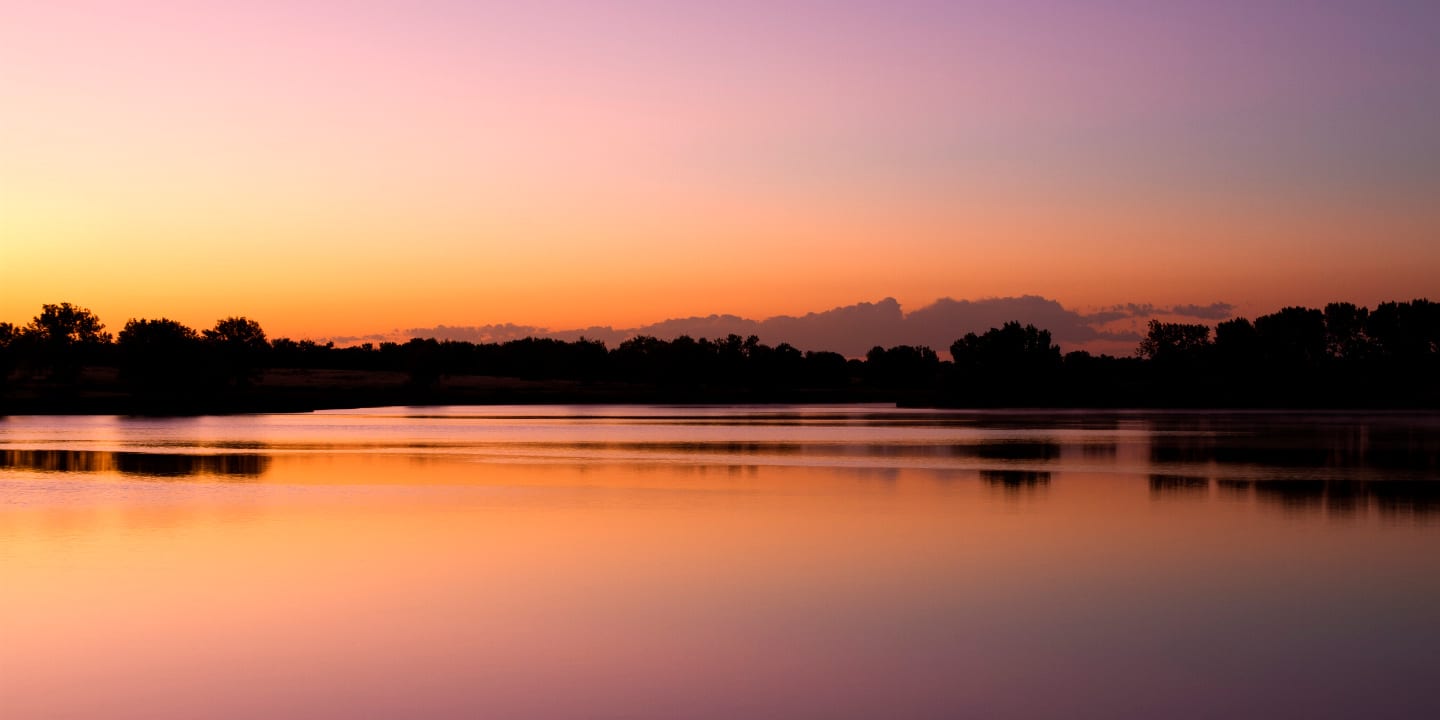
1341, 355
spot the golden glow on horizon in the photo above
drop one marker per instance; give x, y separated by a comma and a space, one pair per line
333, 174
315, 279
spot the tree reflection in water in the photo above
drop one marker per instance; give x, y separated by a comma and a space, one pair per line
139, 464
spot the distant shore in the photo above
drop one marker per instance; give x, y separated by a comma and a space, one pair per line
100, 391
1344, 356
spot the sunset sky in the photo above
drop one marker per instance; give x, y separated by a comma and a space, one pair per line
347, 167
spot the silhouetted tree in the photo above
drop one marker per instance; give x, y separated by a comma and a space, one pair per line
236, 333
826, 369
423, 362
285, 352
1174, 342
641, 358
902, 366
1345, 355
236, 345
780, 366
730, 358
1009, 348
1405, 331
9, 338
63, 337
159, 355
162, 333
1012, 364
67, 324
1236, 342
1345, 337
1295, 337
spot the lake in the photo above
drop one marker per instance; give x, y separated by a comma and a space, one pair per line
720, 562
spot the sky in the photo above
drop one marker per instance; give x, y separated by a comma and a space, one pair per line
334, 168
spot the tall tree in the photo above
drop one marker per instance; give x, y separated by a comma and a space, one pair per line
238, 333
66, 324
1009, 348
158, 355
236, 344
64, 337
9, 337
1294, 337
1174, 342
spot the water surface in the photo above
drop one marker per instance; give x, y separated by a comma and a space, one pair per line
752, 562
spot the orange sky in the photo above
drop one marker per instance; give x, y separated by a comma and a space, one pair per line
330, 172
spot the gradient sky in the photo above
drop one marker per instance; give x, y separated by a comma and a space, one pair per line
346, 167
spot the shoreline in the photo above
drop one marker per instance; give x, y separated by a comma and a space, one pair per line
248, 405
100, 391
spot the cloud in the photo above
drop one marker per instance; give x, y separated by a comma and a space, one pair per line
1145, 311
476, 333
345, 340
468, 333
1213, 311
1107, 316
953, 318
853, 329
850, 329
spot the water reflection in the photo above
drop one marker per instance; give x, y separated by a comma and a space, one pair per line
1336, 466
1017, 450
1388, 444
719, 563
879, 415
1179, 486
142, 464
1017, 483
1339, 498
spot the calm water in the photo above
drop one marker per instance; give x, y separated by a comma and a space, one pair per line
652, 562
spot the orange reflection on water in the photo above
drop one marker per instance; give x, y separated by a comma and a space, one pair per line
368, 584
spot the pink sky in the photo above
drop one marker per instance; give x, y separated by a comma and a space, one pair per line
334, 168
